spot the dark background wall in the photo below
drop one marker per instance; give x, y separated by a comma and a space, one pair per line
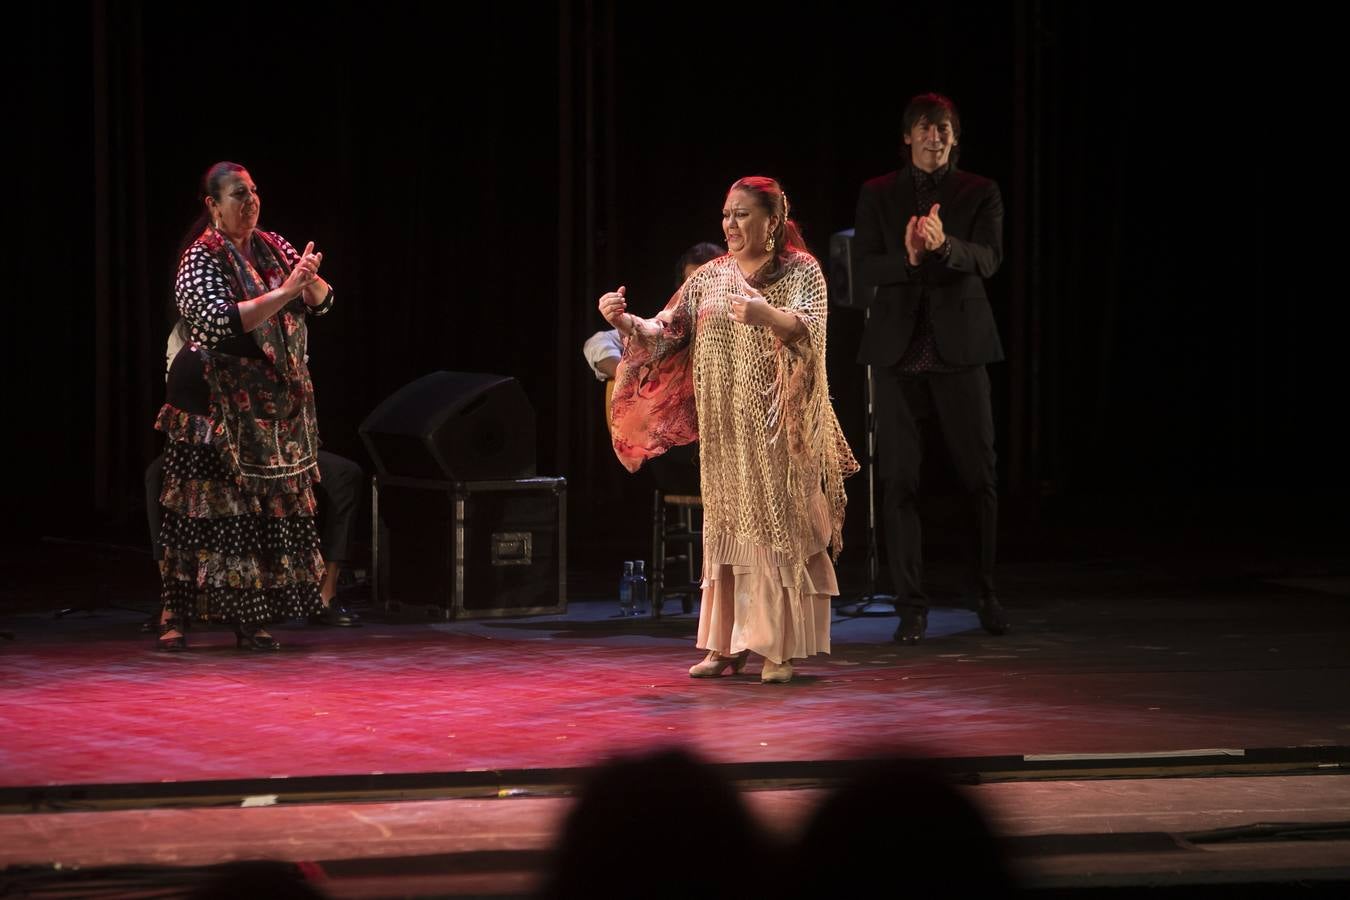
477, 177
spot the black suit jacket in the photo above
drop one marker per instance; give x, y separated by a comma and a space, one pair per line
963, 322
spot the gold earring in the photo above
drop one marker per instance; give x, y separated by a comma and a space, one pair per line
768, 245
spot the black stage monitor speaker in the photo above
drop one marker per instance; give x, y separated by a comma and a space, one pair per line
453, 426
468, 549
844, 290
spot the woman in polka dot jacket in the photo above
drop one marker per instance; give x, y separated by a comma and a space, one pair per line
240, 543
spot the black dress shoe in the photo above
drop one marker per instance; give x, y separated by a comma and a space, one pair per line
913, 624
335, 614
991, 616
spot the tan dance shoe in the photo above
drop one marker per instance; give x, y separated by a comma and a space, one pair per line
776, 673
714, 663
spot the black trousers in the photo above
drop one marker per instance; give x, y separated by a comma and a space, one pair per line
338, 495
958, 405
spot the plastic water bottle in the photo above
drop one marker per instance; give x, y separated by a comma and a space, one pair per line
626, 589
639, 588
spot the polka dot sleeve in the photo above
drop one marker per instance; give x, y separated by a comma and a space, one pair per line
292, 257
205, 298
287, 250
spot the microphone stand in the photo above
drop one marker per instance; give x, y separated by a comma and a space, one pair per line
861, 605
846, 293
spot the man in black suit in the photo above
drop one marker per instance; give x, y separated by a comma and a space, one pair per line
926, 237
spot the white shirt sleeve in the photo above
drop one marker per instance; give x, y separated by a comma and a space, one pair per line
601, 346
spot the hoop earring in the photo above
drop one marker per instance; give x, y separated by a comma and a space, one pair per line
769, 245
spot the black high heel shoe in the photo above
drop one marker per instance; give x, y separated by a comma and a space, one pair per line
253, 639
172, 644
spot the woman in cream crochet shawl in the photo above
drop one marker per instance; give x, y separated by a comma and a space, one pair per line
736, 361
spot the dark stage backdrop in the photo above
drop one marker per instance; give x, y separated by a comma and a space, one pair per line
476, 178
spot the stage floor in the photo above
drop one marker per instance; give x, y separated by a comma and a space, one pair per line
1128, 698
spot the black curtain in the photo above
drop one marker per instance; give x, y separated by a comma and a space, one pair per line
125, 389
476, 182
